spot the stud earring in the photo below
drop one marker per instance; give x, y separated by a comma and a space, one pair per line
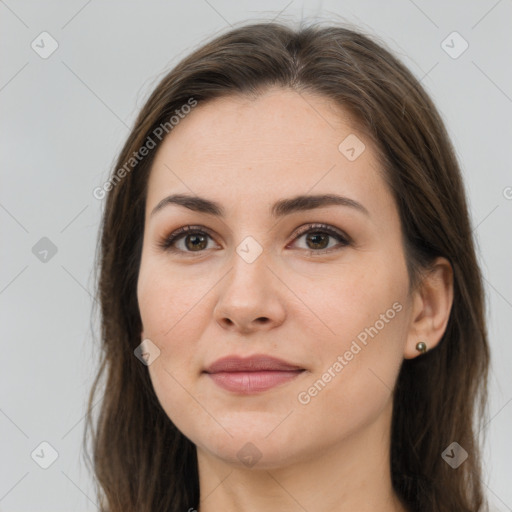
421, 347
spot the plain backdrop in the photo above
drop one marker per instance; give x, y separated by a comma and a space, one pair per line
64, 117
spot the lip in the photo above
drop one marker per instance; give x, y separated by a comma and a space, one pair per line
250, 364
251, 374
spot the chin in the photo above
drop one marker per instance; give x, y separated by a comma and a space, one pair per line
255, 445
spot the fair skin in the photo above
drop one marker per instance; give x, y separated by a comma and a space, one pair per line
303, 299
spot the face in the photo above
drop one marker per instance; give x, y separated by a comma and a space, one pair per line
321, 286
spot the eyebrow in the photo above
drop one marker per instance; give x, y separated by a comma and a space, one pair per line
279, 209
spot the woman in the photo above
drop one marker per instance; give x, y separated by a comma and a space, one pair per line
292, 310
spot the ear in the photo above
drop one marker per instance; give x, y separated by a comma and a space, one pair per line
432, 304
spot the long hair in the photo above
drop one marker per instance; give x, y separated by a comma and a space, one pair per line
141, 461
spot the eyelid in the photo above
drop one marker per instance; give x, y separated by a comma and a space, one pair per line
343, 239
321, 227
166, 242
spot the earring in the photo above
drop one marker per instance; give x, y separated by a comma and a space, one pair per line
421, 347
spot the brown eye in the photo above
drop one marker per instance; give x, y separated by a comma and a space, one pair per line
317, 240
188, 239
318, 236
195, 241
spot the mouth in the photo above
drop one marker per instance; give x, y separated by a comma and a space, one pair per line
251, 375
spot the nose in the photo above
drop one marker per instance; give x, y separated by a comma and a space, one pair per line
250, 298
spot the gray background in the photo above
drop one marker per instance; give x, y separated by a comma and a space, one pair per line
63, 121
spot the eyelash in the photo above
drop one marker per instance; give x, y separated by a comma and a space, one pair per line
167, 243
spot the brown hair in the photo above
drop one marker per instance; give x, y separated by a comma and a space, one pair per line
140, 459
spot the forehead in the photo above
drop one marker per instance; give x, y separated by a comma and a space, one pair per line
281, 143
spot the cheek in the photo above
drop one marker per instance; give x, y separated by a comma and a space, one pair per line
172, 318
169, 299
347, 300
361, 358
172, 309
355, 383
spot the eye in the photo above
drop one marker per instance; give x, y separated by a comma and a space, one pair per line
317, 237
194, 239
